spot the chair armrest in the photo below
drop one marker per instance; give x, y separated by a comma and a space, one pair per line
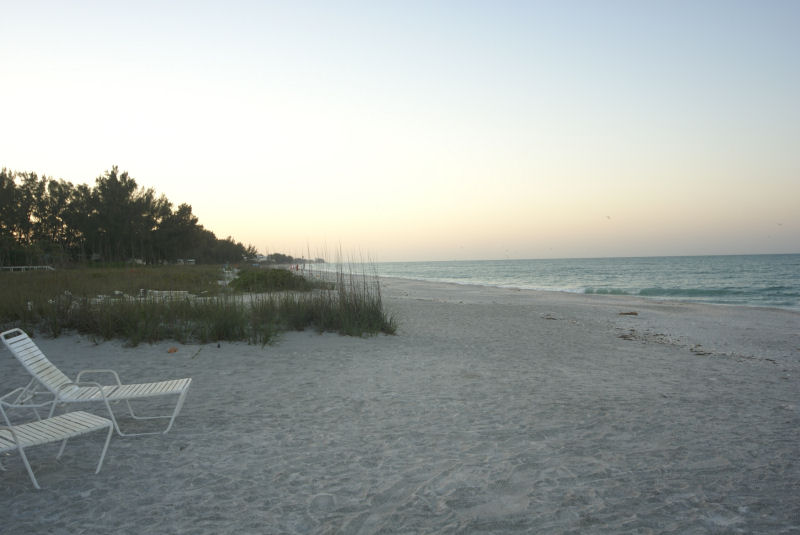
25, 404
112, 372
90, 384
15, 392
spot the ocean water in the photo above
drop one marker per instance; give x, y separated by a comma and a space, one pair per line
750, 280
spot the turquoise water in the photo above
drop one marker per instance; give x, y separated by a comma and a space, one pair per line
751, 280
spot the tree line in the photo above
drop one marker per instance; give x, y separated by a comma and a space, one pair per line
48, 221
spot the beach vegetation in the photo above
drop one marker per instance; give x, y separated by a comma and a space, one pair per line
255, 280
191, 303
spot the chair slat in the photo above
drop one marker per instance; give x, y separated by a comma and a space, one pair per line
53, 429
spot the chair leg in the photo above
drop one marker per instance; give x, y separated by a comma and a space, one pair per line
135, 417
172, 417
176, 411
61, 450
28, 467
105, 448
114, 420
120, 433
130, 409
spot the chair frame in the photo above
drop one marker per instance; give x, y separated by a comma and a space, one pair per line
47, 376
54, 429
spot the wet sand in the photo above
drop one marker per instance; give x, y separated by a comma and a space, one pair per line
491, 411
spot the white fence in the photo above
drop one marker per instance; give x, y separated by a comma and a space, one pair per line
27, 268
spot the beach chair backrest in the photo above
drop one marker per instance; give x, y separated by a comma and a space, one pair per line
32, 358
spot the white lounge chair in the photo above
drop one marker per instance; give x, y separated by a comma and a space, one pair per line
67, 391
58, 428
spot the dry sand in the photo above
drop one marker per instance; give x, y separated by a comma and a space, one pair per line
491, 411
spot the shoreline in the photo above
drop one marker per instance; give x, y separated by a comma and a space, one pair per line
491, 410
754, 329
644, 298
657, 299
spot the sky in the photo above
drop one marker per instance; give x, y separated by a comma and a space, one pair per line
434, 130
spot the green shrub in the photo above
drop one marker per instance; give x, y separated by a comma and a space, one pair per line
270, 280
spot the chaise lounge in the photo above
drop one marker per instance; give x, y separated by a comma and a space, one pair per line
47, 375
59, 428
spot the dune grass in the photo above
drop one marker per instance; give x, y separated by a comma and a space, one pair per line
118, 303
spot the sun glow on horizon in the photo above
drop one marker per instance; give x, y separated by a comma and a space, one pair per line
415, 131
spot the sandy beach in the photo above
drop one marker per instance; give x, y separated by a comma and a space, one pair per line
491, 411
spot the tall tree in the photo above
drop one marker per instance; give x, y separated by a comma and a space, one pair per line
178, 234
10, 248
47, 220
79, 220
8, 204
115, 215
